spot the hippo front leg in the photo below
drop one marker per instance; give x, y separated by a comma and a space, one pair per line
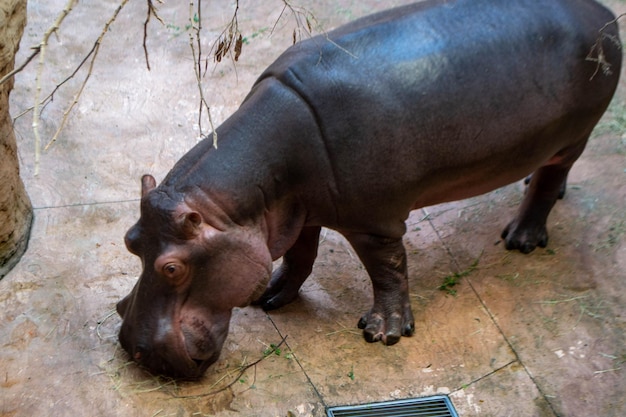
294, 270
385, 261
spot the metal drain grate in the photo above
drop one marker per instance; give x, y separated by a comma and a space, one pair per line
437, 406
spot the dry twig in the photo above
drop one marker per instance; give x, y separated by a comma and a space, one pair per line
152, 11
299, 13
44, 41
93, 54
242, 370
229, 43
195, 20
41, 50
596, 54
230, 39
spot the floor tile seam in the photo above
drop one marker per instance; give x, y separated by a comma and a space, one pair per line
295, 356
482, 377
495, 371
516, 354
491, 315
95, 203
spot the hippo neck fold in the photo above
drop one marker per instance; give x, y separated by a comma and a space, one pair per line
264, 156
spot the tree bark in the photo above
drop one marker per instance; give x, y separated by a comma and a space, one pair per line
16, 211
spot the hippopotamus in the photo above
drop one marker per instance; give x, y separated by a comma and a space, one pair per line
351, 130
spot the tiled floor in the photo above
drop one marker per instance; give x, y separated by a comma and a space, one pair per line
523, 335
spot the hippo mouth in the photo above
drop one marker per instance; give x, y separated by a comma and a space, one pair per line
201, 365
178, 366
203, 352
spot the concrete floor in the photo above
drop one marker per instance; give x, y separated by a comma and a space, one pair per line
523, 335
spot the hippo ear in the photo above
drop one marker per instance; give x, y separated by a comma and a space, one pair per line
147, 184
191, 223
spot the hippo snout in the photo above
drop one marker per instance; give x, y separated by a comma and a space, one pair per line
159, 363
166, 357
174, 343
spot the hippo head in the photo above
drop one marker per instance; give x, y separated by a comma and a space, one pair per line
195, 270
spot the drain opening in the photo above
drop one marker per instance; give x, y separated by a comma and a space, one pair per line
437, 406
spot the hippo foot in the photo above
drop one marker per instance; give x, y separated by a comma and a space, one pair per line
525, 239
280, 291
271, 300
388, 328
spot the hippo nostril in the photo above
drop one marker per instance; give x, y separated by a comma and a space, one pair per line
198, 362
139, 353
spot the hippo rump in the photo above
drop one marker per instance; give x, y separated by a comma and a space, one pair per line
422, 104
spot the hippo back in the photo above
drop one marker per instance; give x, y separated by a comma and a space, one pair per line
444, 79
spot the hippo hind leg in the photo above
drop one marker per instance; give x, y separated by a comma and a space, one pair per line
546, 185
295, 268
390, 318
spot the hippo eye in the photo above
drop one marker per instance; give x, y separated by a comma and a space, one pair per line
174, 272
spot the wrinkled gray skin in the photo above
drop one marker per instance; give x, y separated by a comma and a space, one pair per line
411, 107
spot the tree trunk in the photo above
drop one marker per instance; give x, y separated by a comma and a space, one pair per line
16, 211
